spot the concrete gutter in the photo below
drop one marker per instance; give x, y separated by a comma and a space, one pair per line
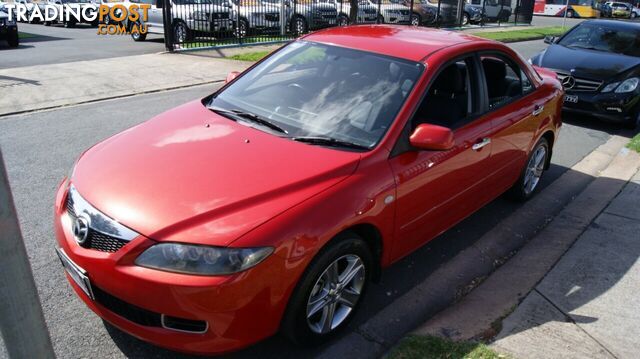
499, 294
451, 282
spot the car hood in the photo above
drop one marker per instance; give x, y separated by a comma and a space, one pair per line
597, 65
190, 175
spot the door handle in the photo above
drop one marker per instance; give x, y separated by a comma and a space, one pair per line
477, 146
537, 110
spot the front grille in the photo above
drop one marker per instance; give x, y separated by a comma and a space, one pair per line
581, 84
96, 240
220, 15
126, 310
272, 17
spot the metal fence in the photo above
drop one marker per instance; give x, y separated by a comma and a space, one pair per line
190, 24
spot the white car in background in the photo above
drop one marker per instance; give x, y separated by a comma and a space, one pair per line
392, 12
367, 14
111, 3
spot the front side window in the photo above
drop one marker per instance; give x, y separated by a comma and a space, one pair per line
603, 38
450, 100
315, 90
505, 80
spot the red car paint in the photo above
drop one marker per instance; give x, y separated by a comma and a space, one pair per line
190, 175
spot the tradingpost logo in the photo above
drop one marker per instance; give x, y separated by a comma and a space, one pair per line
127, 19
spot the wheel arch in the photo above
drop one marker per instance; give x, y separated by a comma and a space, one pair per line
550, 137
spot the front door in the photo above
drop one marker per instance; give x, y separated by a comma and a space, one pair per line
437, 189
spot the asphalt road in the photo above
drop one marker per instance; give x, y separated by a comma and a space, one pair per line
40, 148
56, 44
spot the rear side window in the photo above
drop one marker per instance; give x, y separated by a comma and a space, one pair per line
505, 80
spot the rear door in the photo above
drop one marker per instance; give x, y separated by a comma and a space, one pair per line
436, 189
516, 109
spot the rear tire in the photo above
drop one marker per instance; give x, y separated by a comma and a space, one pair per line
570, 14
299, 25
14, 40
181, 33
415, 20
317, 309
527, 184
137, 36
343, 20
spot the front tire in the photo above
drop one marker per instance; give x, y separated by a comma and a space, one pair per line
181, 33
330, 291
527, 184
241, 29
415, 20
465, 19
299, 25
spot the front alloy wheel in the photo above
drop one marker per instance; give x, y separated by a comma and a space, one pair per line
415, 20
465, 19
181, 33
335, 294
330, 290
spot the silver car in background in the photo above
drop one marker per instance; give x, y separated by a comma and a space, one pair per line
254, 16
367, 13
305, 15
392, 11
190, 17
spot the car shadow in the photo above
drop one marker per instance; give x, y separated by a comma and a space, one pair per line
395, 282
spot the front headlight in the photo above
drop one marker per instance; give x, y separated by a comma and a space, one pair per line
202, 260
610, 87
628, 85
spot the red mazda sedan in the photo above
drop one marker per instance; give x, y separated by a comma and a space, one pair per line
273, 203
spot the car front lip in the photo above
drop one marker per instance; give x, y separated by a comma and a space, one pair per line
239, 309
605, 105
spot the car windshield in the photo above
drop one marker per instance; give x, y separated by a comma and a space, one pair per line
315, 90
604, 38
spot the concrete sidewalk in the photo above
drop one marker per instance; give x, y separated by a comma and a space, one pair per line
587, 306
48, 86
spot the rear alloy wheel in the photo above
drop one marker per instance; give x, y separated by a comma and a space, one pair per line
415, 20
570, 13
528, 182
329, 292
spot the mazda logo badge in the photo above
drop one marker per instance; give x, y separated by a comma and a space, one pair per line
568, 82
81, 229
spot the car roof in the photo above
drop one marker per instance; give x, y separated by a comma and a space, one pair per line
407, 42
614, 24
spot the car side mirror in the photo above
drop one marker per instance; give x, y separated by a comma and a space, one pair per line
550, 39
432, 137
231, 76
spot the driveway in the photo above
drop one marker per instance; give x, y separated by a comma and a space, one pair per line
40, 148
56, 44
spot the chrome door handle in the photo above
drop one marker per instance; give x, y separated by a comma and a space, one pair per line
485, 141
537, 110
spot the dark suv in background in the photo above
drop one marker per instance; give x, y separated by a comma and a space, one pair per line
8, 28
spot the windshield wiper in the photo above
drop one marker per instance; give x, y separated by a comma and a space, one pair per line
248, 116
328, 141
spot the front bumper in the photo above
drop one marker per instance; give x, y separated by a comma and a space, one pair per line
210, 26
611, 107
239, 309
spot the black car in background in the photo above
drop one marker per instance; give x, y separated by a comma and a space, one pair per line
598, 62
8, 28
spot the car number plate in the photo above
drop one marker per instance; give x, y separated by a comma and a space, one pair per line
76, 273
571, 98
